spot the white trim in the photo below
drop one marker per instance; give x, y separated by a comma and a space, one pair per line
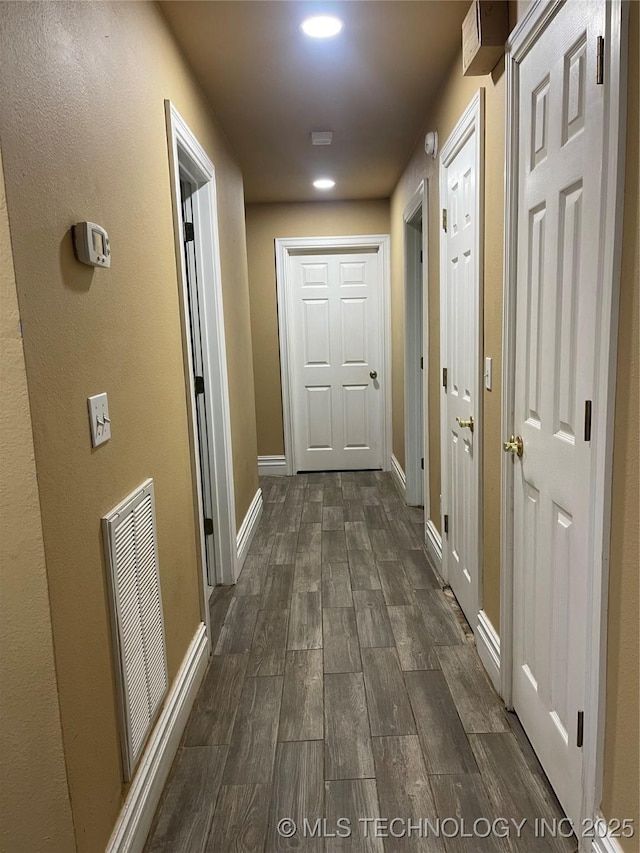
272, 466
434, 545
415, 340
470, 122
488, 646
399, 477
134, 821
284, 246
248, 528
522, 39
603, 842
187, 155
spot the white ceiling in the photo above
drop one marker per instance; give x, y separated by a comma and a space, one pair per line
270, 86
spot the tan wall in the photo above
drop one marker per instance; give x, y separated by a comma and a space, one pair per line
621, 796
34, 799
265, 222
456, 93
83, 129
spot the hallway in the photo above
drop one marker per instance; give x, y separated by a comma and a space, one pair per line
344, 685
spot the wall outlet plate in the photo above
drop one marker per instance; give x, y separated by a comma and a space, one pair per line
99, 419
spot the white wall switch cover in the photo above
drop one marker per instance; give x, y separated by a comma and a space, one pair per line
488, 373
99, 419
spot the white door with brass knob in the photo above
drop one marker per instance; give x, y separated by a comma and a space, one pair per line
335, 350
460, 311
560, 132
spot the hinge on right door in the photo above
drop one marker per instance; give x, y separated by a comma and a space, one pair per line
189, 233
422, 463
587, 420
421, 363
444, 219
580, 732
444, 378
446, 524
600, 62
199, 384
208, 527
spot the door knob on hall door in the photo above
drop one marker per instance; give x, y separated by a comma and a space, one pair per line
514, 445
373, 374
465, 424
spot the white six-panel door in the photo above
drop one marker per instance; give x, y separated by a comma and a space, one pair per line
460, 311
560, 134
335, 346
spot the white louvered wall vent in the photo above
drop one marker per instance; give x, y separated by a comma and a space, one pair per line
131, 551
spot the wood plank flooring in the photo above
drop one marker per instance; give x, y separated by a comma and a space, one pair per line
343, 685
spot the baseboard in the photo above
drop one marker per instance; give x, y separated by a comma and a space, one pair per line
488, 645
604, 843
135, 818
248, 528
434, 545
399, 477
272, 466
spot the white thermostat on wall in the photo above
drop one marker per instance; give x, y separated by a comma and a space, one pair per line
91, 243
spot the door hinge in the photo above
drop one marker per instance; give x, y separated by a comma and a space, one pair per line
208, 527
446, 524
421, 363
587, 420
444, 378
580, 732
420, 255
444, 219
422, 463
199, 384
600, 61
189, 232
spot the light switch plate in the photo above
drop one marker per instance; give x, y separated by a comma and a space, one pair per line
99, 419
488, 373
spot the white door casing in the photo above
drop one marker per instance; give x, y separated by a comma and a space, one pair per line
186, 156
461, 194
561, 272
333, 318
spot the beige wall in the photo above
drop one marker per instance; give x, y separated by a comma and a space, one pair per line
455, 94
34, 799
83, 129
265, 222
621, 795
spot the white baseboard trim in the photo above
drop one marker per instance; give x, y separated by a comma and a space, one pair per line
248, 528
399, 477
604, 842
135, 818
488, 645
434, 545
272, 466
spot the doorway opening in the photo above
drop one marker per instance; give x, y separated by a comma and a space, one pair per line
415, 366
198, 259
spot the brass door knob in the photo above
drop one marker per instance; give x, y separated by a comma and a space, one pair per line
466, 424
373, 374
514, 445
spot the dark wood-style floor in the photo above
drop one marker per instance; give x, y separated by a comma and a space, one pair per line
344, 685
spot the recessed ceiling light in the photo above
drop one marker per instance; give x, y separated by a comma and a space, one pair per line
324, 184
321, 26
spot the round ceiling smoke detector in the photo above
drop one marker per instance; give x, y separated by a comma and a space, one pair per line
431, 143
321, 26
